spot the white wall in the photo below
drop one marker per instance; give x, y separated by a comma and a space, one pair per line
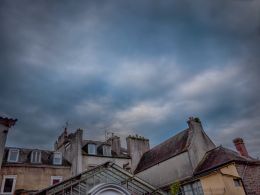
166, 172
98, 160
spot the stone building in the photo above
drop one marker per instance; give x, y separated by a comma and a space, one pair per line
86, 154
189, 158
28, 170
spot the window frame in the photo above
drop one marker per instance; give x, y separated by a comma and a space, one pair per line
60, 178
13, 185
237, 182
107, 150
60, 158
38, 154
95, 149
9, 154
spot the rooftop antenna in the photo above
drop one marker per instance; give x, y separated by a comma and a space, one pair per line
107, 133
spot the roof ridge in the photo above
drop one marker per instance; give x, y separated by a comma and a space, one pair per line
168, 139
11, 147
171, 147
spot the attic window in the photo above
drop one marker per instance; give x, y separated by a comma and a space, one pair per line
36, 156
13, 155
92, 149
57, 158
106, 150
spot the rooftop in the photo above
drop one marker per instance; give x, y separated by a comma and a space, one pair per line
24, 158
220, 156
173, 146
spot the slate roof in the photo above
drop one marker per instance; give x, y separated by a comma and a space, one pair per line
99, 144
173, 146
25, 158
220, 156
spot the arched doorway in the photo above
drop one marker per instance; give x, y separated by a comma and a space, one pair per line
108, 189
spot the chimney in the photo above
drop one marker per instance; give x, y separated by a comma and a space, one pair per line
5, 125
136, 147
115, 143
240, 146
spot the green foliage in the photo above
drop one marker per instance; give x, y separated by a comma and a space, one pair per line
175, 187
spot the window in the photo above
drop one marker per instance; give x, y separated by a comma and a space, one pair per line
92, 149
8, 184
57, 158
36, 156
106, 150
56, 179
13, 155
194, 188
67, 146
237, 182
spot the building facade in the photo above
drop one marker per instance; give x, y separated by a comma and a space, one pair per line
189, 159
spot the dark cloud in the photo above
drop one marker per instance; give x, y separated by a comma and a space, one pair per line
130, 67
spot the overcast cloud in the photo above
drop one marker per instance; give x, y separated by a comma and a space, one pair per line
136, 67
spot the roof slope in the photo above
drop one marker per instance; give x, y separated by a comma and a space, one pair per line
123, 151
220, 156
167, 149
25, 157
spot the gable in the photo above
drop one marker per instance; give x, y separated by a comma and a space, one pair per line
167, 149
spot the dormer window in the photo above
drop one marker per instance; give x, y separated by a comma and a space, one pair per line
13, 155
57, 158
106, 150
36, 156
92, 149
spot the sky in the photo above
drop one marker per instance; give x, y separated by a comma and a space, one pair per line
130, 67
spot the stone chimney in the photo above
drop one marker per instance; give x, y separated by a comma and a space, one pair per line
136, 147
240, 146
5, 124
62, 139
194, 123
115, 143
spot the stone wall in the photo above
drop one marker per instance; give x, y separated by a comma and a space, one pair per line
89, 162
34, 178
136, 147
72, 149
174, 169
3, 136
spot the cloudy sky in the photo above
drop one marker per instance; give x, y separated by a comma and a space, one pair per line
130, 67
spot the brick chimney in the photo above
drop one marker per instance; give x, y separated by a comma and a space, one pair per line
240, 146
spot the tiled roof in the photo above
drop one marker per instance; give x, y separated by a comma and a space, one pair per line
8, 122
25, 157
220, 156
167, 149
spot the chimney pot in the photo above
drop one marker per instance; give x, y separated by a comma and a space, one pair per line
240, 146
